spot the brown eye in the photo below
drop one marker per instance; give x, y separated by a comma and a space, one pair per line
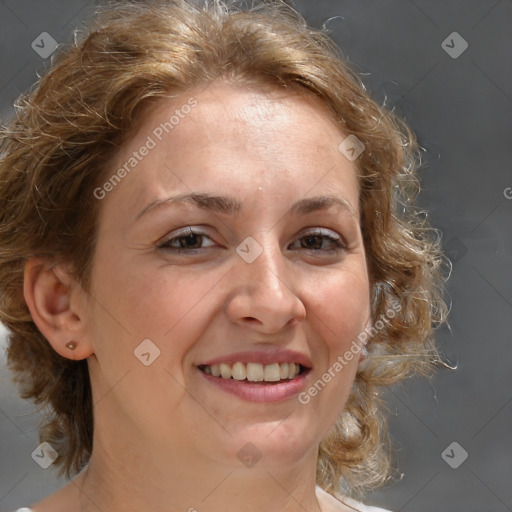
192, 241
312, 241
321, 241
185, 240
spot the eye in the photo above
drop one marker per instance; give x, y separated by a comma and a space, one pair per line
315, 240
190, 240
185, 240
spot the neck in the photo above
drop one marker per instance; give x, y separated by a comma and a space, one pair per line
141, 484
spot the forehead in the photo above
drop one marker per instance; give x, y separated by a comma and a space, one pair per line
231, 138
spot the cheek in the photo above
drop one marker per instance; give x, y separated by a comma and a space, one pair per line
340, 309
340, 306
170, 307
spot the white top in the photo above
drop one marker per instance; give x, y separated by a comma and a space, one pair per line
332, 503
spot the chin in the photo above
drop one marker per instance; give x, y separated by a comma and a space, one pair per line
273, 444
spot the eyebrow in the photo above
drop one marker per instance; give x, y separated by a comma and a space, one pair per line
231, 205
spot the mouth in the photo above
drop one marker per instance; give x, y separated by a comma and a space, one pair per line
257, 381
255, 372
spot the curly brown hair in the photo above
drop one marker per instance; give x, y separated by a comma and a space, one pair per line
55, 151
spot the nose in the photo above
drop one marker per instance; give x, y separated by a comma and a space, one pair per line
264, 295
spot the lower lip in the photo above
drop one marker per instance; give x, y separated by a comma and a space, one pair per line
260, 391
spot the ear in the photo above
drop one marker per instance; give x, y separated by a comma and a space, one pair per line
58, 306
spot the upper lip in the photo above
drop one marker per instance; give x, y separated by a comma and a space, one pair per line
262, 357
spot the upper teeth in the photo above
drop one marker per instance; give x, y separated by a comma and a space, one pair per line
254, 372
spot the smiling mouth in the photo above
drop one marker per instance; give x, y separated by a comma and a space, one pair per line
255, 372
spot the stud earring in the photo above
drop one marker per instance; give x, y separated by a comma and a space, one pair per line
71, 345
364, 352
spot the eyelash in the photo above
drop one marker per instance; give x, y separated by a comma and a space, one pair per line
187, 232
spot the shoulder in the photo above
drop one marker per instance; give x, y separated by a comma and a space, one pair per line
331, 504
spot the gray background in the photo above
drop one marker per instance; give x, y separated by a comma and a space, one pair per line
461, 110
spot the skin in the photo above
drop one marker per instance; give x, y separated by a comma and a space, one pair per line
165, 438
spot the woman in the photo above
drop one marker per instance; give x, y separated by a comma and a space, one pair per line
210, 264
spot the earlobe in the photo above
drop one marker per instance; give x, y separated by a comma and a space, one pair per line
51, 295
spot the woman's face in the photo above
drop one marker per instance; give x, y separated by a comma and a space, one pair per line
272, 271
